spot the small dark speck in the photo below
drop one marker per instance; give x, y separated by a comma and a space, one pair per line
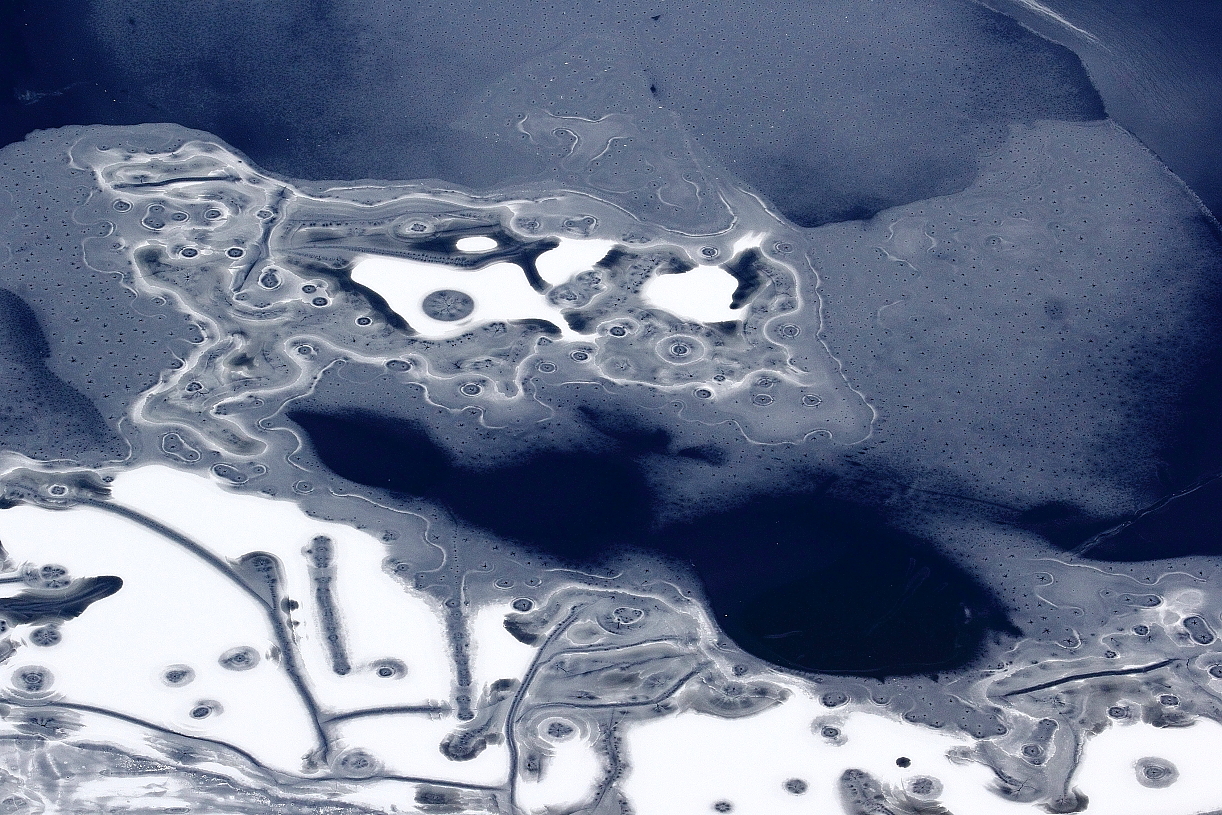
903, 761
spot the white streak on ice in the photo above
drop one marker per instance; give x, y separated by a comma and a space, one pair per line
1044, 11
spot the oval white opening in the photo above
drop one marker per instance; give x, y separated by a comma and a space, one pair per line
475, 243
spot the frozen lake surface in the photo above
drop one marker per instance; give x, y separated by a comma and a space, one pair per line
629, 410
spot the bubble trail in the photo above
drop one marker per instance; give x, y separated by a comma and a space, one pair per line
323, 574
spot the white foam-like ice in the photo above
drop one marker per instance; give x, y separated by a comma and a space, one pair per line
380, 619
496, 655
177, 608
1108, 774
500, 291
703, 294
475, 243
746, 762
573, 770
170, 610
571, 257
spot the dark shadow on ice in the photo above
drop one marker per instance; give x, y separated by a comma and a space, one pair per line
572, 504
804, 581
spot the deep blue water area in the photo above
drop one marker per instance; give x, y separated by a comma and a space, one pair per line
852, 128
803, 580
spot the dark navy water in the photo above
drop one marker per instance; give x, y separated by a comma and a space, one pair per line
802, 580
221, 67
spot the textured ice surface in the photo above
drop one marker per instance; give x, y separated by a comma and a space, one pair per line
291, 281
205, 603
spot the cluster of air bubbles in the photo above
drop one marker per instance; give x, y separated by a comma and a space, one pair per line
356, 763
558, 730
923, 786
47, 576
830, 731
